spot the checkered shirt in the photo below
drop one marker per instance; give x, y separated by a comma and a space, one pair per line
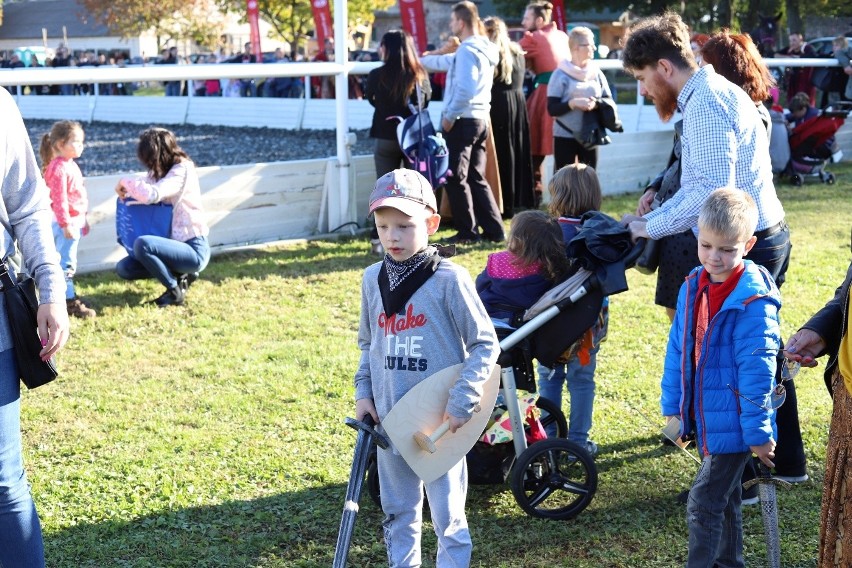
724, 144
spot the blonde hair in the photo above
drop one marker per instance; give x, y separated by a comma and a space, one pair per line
580, 32
729, 212
495, 29
574, 190
60, 133
535, 236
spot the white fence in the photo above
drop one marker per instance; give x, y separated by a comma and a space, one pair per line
259, 203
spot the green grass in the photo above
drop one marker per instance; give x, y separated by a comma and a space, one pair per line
212, 435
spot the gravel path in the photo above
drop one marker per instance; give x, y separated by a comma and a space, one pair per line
111, 147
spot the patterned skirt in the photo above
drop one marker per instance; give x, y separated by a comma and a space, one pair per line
835, 536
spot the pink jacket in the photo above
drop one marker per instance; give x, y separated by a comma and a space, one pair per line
68, 198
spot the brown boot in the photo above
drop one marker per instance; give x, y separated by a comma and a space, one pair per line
77, 309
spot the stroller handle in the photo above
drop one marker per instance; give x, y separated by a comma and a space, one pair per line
633, 255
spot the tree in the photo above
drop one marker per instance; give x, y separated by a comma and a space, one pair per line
292, 20
170, 20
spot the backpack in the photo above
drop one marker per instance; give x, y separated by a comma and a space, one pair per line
424, 148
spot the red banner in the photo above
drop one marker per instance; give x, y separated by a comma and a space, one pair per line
558, 14
414, 22
322, 21
254, 29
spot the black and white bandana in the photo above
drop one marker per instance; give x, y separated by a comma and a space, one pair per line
398, 281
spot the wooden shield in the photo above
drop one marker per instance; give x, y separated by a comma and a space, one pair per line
422, 410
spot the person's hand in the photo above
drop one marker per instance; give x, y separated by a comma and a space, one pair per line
645, 201
582, 103
67, 232
447, 125
456, 422
53, 328
848, 69
121, 191
86, 228
365, 406
638, 230
628, 218
804, 347
765, 453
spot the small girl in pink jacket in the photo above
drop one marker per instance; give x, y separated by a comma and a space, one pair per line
68, 200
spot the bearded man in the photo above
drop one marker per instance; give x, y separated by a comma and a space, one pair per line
724, 144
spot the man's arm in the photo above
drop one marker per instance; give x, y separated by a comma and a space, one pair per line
708, 159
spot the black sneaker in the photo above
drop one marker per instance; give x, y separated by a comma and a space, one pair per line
751, 496
494, 238
172, 297
459, 239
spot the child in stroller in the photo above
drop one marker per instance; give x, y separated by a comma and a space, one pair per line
812, 139
551, 478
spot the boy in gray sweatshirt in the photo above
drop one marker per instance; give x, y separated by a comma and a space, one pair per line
420, 313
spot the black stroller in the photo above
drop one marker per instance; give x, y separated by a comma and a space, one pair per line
553, 478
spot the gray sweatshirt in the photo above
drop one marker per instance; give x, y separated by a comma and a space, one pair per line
470, 74
444, 324
25, 213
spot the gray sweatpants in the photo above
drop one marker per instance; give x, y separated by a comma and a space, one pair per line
402, 503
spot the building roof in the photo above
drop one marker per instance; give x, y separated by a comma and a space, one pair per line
25, 20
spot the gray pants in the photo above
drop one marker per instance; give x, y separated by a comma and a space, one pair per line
402, 503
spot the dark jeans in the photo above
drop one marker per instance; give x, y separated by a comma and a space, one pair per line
388, 157
567, 150
773, 254
714, 513
164, 259
471, 201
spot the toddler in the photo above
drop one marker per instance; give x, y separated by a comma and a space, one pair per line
575, 190
534, 260
69, 202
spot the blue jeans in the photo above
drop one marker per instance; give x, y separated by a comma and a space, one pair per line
67, 249
714, 513
581, 388
21, 544
164, 259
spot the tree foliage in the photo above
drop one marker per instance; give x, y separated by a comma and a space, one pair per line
292, 20
173, 20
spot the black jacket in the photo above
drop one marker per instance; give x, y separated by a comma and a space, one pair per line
831, 323
387, 107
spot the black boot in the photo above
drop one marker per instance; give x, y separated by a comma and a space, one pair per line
186, 280
172, 297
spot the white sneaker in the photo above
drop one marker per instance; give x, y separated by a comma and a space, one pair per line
837, 156
792, 478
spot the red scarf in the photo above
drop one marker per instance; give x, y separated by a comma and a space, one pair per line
709, 299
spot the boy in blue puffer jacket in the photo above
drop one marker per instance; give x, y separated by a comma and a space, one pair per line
720, 372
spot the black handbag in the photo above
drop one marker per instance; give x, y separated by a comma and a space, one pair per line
649, 260
21, 308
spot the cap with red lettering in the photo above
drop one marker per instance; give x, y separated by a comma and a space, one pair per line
405, 190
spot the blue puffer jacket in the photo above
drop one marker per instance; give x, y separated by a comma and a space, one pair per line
747, 320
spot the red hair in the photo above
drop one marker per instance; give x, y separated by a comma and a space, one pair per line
735, 57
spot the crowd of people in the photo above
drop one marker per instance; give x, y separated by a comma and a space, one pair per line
726, 369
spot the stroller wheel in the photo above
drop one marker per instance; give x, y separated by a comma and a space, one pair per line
554, 479
830, 179
372, 480
550, 414
797, 180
